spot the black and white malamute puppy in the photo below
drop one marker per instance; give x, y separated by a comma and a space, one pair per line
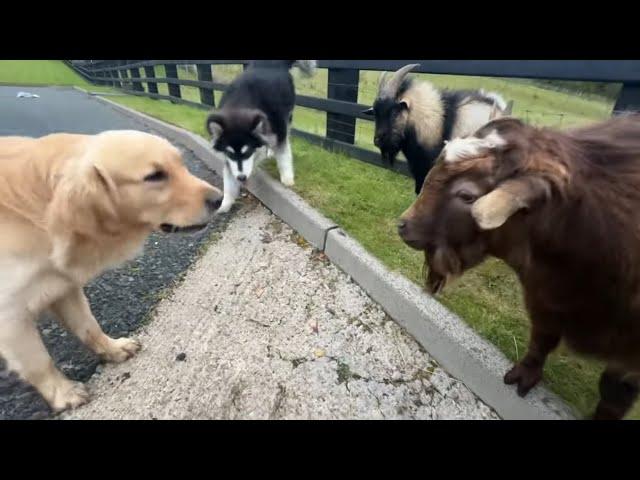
253, 122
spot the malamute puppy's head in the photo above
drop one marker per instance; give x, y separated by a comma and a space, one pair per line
238, 134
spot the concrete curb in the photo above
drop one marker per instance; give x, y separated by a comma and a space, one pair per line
460, 351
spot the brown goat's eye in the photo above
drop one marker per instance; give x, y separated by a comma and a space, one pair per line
466, 196
156, 176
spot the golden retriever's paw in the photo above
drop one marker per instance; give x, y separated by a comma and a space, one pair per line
121, 349
68, 395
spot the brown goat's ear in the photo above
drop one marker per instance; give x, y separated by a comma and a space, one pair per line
496, 207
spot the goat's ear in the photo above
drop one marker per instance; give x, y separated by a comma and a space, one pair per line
496, 207
404, 104
368, 111
495, 112
215, 124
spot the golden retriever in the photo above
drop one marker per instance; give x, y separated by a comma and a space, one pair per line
72, 206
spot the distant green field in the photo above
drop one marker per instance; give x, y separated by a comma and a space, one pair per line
38, 72
366, 201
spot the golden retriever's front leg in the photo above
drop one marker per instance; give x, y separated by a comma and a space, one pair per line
74, 313
25, 353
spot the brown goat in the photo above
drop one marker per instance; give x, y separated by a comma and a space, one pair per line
563, 210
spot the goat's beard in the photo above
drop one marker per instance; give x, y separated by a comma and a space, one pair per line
389, 156
440, 265
444, 263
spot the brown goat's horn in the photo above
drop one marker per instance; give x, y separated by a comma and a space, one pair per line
389, 86
494, 209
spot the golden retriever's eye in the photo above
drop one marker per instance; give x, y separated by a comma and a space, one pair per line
156, 176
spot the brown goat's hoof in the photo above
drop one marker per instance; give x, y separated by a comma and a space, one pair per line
526, 378
604, 412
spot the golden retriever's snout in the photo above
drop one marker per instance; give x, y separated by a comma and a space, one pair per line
213, 200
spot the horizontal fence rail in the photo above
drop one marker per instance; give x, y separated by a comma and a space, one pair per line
341, 104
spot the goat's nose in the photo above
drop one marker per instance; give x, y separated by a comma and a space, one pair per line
242, 177
376, 141
402, 226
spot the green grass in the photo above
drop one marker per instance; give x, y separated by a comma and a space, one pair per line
366, 201
38, 72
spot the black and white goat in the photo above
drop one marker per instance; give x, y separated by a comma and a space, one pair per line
416, 118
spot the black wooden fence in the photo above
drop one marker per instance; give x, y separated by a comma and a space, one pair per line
343, 77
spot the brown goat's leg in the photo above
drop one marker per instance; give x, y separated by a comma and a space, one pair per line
618, 393
528, 371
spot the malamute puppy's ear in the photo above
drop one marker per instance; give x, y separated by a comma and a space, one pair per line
262, 130
215, 124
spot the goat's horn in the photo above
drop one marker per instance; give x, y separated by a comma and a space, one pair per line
494, 209
389, 88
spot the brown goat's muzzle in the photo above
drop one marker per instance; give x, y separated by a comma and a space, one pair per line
409, 234
437, 261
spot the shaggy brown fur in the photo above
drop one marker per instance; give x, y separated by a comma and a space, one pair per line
563, 210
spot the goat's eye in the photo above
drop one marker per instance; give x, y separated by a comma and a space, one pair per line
466, 196
156, 176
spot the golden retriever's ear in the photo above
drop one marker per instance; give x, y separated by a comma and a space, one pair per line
85, 203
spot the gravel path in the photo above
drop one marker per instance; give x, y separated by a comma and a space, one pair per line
263, 327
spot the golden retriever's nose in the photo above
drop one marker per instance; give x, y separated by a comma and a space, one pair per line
213, 200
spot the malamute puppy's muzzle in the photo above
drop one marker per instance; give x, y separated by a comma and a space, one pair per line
244, 138
241, 136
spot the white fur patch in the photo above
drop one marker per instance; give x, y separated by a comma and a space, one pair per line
426, 112
247, 166
470, 118
471, 147
497, 98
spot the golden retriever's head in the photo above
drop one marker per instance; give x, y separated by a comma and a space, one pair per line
123, 179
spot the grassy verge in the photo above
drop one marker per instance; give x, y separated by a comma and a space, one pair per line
366, 201
38, 72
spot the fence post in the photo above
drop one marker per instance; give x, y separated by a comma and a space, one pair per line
343, 85
629, 99
150, 72
204, 75
124, 75
172, 72
98, 78
137, 86
115, 74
